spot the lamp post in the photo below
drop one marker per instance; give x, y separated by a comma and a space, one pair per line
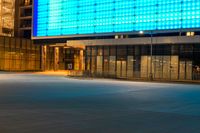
150, 76
151, 67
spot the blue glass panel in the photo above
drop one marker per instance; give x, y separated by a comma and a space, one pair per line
77, 17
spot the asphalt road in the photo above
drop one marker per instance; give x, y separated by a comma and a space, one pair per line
32, 103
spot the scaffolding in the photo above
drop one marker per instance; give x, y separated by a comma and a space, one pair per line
7, 9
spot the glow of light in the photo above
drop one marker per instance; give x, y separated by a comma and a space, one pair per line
141, 32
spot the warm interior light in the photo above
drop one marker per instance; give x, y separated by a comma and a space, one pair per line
116, 37
190, 34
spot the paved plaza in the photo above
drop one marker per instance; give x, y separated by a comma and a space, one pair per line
37, 103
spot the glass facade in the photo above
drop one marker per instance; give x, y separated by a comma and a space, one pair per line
169, 62
19, 55
83, 17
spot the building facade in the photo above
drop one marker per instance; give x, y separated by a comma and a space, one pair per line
16, 52
171, 58
137, 39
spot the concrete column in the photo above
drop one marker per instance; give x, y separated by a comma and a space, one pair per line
56, 59
82, 60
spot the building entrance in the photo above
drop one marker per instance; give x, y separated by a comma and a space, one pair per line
61, 58
185, 70
72, 59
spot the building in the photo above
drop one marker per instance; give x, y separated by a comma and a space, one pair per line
112, 38
137, 39
16, 52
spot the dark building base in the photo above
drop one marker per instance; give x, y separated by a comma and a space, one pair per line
167, 62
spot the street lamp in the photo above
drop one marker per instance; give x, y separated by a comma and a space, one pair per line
141, 32
151, 54
151, 73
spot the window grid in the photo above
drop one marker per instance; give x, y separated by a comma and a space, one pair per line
74, 17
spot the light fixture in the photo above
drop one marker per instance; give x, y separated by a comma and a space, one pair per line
141, 32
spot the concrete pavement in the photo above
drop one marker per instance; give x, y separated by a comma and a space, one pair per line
34, 103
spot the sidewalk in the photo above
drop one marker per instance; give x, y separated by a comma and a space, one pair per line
67, 74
